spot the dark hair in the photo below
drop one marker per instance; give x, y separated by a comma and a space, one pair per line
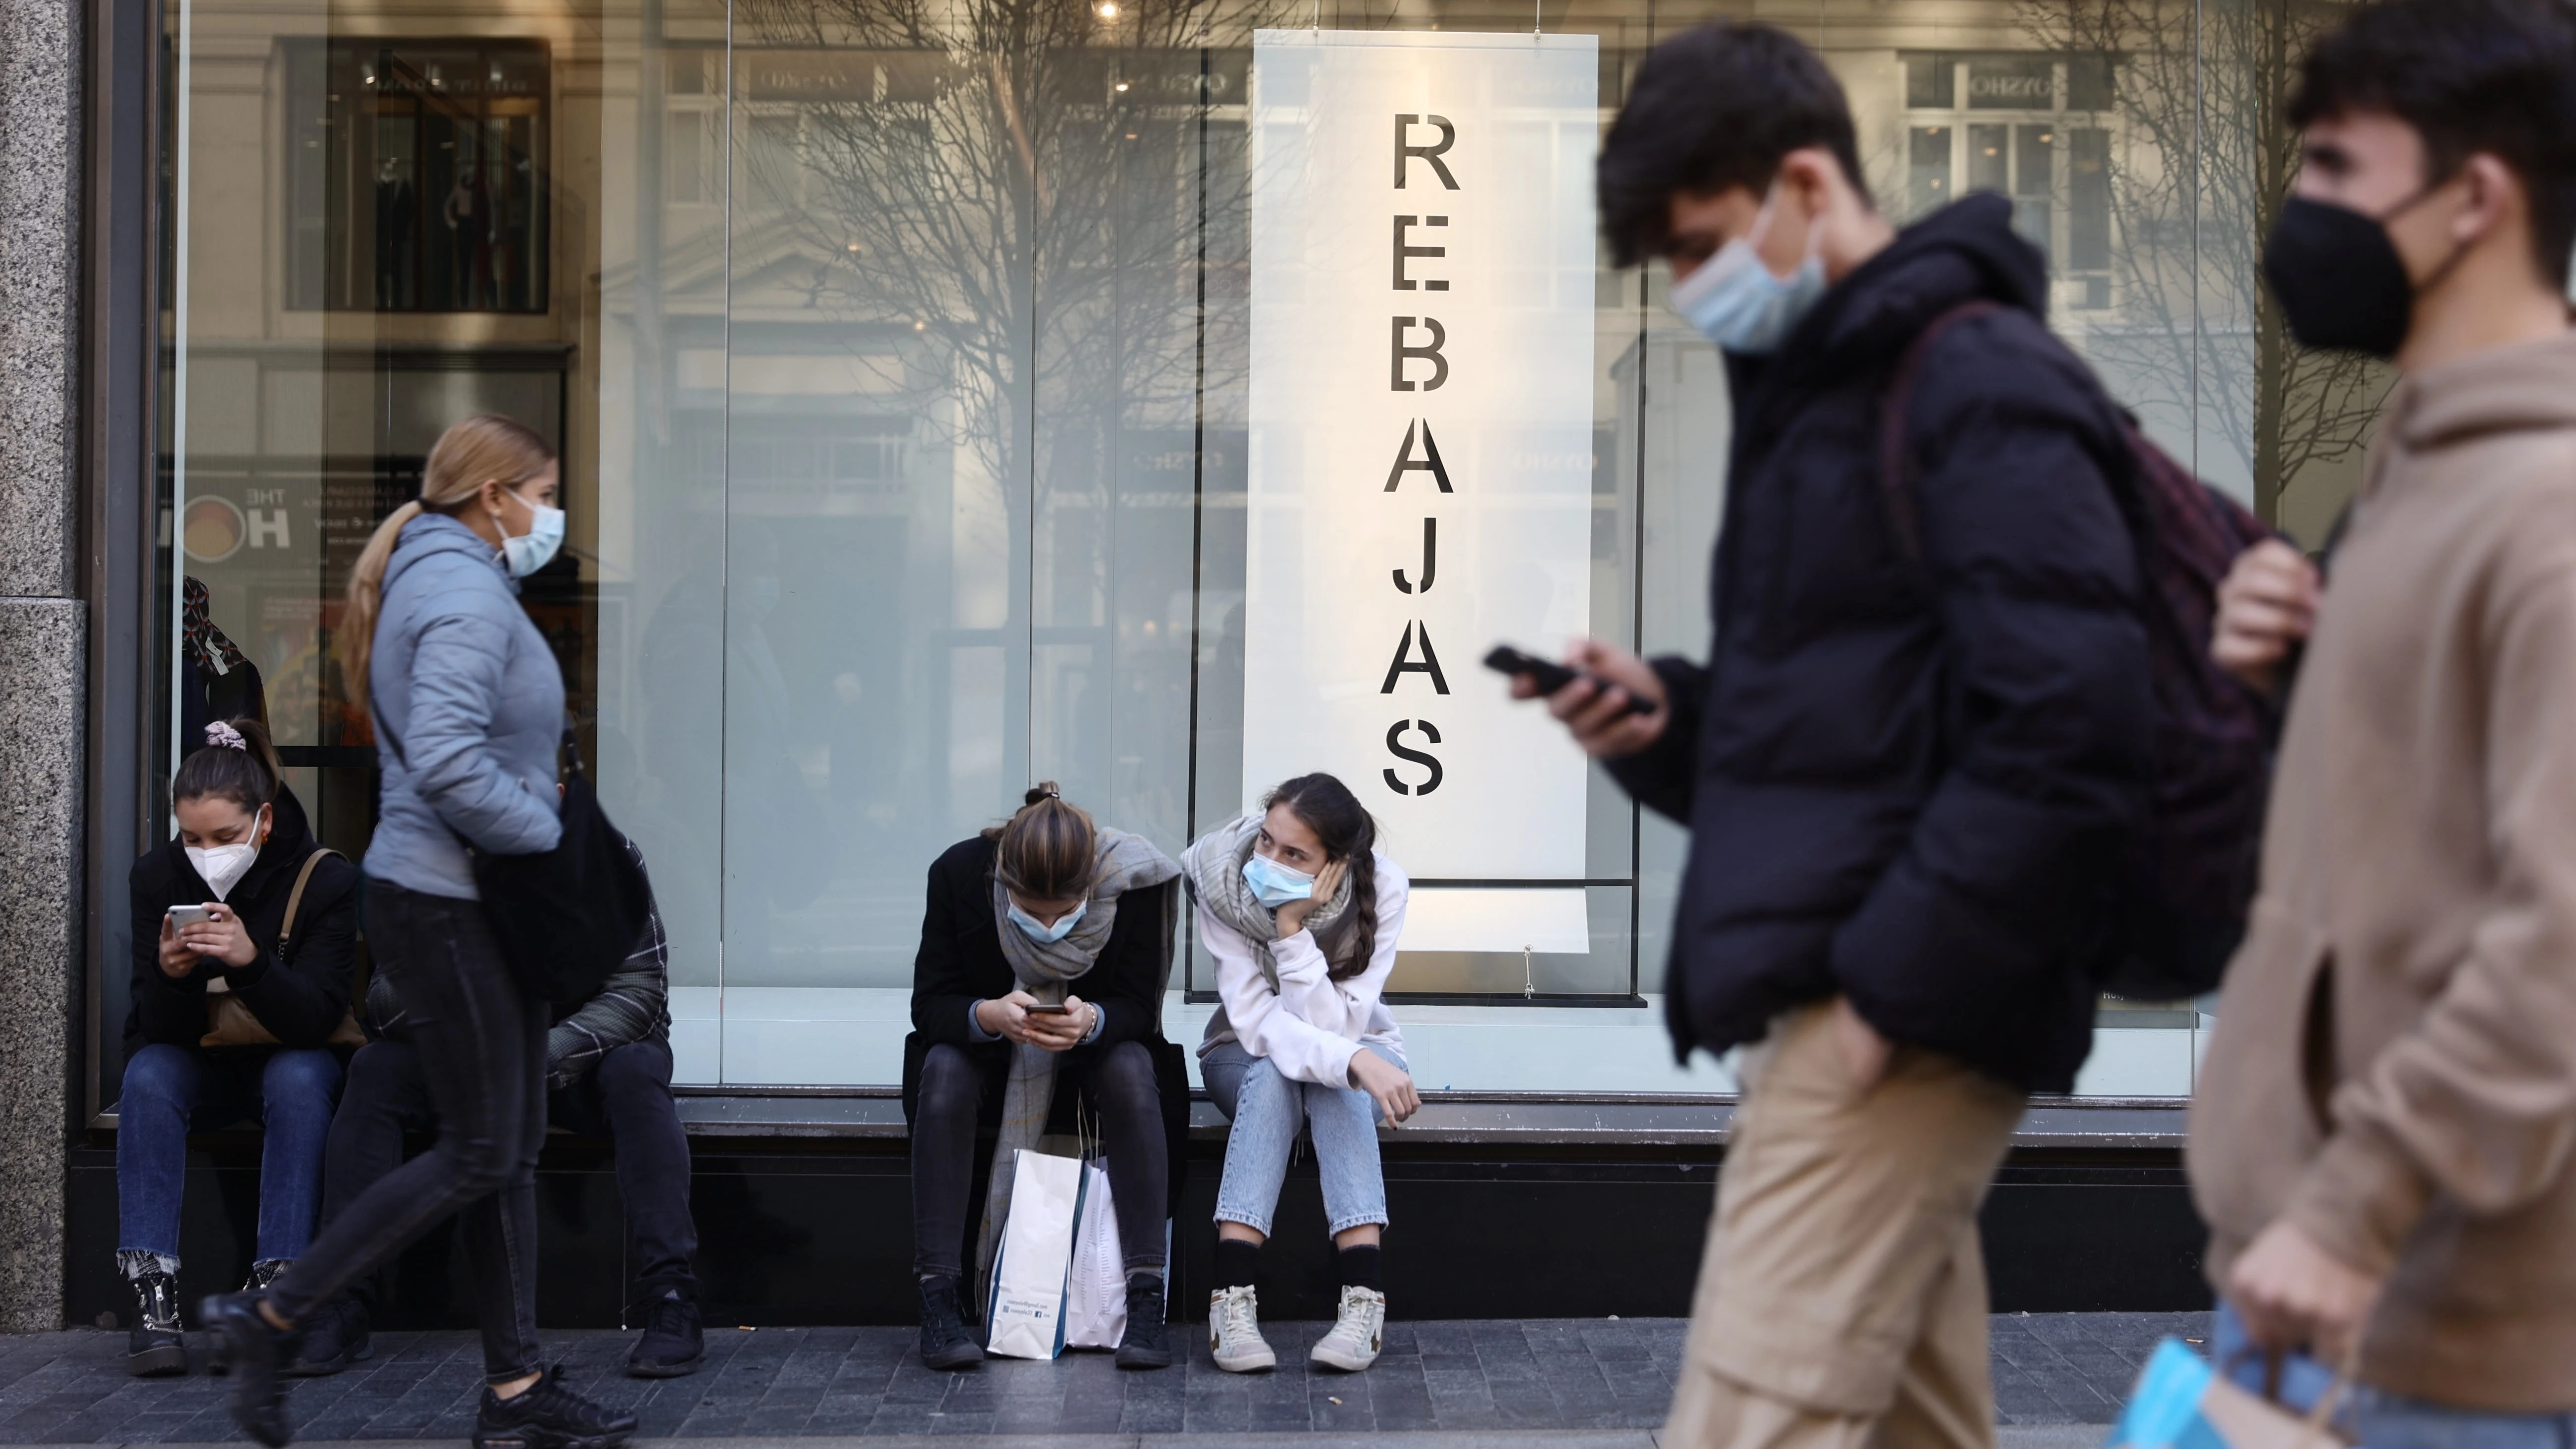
1048, 851
1714, 107
2497, 76
247, 776
1349, 833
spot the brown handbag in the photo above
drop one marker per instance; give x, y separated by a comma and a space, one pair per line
229, 1021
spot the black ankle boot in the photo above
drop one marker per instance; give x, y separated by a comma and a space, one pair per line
673, 1344
335, 1337
257, 1350
155, 1347
946, 1343
547, 1415
1148, 1344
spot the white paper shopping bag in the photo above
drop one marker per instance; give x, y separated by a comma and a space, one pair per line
1095, 1294
1026, 1311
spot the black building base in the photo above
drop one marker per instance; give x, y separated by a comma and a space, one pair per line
820, 1232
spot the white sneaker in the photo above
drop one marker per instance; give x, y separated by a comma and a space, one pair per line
1357, 1334
1234, 1332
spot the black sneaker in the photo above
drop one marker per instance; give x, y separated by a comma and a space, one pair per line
546, 1415
945, 1341
673, 1343
256, 1350
155, 1348
336, 1337
1148, 1344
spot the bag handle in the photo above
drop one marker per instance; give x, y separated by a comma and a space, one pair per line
295, 897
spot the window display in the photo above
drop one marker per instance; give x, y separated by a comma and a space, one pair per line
923, 434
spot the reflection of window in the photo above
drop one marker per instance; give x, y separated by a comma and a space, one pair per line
417, 176
2057, 175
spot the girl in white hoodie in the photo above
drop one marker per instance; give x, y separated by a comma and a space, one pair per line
1302, 916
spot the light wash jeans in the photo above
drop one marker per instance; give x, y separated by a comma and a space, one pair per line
1267, 1109
2378, 1420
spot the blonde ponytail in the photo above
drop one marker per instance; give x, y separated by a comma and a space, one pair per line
486, 448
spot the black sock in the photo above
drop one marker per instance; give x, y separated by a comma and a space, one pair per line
1359, 1267
1238, 1263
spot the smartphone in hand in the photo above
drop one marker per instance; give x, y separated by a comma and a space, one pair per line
1046, 1009
182, 917
1551, 677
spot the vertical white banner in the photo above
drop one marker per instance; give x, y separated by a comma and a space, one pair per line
1421, 445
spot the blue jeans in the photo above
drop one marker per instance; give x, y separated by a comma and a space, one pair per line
2378, 1420
1267, 1109
173, 1090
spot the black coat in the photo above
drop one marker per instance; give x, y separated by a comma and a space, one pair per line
300, 999
1913, 782
960, 963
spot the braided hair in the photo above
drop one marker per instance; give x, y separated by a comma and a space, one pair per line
1349, 834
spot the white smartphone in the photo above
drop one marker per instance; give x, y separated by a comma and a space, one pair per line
182, 917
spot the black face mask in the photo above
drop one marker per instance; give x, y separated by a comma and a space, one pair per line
2341, 285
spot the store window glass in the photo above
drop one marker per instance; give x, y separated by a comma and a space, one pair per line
900, 358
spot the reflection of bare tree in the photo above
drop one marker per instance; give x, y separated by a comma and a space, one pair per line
2207, 81
1006, 198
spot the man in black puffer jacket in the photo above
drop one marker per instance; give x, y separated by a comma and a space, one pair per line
1914, 761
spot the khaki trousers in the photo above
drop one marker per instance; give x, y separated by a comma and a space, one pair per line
1842, 1295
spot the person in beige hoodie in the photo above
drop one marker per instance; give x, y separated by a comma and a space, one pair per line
2382, 1137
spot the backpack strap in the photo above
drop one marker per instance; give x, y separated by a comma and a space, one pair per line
1895, 461
295, 897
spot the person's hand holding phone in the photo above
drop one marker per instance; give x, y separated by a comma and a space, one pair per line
219, 935
1389, 1085
177, 961
1594, 707
1292, 916
1064, 1030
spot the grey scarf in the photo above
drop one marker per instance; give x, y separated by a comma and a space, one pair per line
1214, 863
1122, 862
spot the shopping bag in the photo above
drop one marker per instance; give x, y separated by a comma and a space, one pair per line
2182, 1403
1095, 1295
1025, 1313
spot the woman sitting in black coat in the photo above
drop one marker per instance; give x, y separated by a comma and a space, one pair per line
234, 1017
1044, 954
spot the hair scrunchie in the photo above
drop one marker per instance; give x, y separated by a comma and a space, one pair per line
220, 733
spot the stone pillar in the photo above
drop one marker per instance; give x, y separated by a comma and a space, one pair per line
43, 648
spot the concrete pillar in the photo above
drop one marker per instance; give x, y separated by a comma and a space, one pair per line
43, 650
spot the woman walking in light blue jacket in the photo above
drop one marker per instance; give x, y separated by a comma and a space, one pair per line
469, 708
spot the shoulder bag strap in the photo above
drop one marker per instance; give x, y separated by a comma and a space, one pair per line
295, 897
1895, 463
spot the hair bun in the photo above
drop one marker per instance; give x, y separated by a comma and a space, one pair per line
1042, 790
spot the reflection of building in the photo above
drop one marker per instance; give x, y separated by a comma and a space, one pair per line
900, 378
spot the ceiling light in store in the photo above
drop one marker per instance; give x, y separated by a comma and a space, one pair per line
1122, 88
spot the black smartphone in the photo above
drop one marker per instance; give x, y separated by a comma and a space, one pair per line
1549, 677
1043, 1009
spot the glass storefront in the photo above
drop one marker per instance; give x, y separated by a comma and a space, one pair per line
900, 355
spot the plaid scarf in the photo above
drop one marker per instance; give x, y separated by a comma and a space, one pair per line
1121, 862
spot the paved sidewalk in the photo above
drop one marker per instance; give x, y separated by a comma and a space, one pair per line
1583, 1384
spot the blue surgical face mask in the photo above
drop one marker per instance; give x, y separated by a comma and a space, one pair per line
525, 553
1275, 885
1030, 927
1735, 302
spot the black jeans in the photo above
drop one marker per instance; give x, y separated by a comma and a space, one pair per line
482, 1046
957, 1090
626, 1099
